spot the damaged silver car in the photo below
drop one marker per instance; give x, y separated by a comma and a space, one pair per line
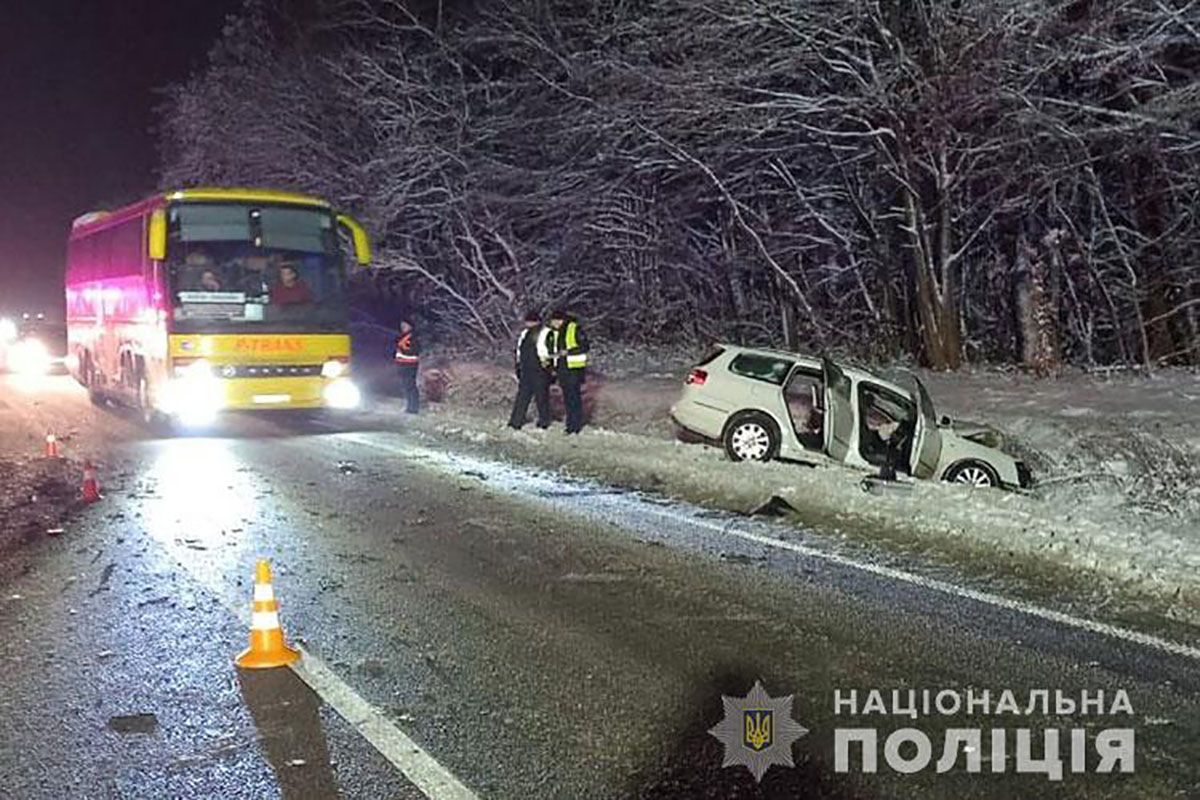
763, 404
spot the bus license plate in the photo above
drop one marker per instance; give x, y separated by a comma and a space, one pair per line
271, 399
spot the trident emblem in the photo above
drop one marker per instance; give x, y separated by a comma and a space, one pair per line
759, 727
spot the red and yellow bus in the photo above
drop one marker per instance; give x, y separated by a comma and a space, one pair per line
200, 300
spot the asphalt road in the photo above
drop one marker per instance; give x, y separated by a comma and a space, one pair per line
526, 636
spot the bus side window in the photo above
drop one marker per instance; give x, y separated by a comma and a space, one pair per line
128, 260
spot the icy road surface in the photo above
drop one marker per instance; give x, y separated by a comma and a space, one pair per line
533, 637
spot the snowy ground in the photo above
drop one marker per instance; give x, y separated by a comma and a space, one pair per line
1117, 458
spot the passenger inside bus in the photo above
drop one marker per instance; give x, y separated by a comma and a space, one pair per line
290, 284
210, 282
291, 290
255, 274
195, 265
200, 273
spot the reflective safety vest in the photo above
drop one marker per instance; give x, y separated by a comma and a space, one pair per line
405, 355
543, 345
576, 358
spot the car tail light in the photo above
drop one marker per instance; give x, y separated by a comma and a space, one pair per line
696, 377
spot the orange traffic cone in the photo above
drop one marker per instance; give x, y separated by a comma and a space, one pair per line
51, 446
91, 487
267, 648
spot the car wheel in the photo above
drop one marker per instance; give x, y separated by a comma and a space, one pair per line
976, 474
751, 437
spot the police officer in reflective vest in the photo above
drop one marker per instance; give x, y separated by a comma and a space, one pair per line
533, 376
569, 349
408, 359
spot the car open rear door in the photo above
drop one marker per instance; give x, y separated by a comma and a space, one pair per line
839, 411
927, 440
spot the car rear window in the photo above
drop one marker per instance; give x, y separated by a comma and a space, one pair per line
712, 354
761, 367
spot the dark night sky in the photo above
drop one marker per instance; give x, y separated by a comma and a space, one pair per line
77, 92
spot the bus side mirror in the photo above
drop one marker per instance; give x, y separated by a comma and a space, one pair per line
358, 235
156, 236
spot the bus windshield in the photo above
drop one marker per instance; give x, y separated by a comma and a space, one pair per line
231, 265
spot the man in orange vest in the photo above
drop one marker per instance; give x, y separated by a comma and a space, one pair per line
408, 360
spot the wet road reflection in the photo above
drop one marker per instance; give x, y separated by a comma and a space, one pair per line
200, 504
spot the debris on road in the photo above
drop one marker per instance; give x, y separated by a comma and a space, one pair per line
774, 506
742, 558
133, 723
882, 486
35, 495
104, 578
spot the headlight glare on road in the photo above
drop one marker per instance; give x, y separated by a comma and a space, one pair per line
334, 368
30, 357
8, 330
343, 394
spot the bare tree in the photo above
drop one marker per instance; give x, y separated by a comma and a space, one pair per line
986, 179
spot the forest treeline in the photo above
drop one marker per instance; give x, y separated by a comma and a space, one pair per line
951, 180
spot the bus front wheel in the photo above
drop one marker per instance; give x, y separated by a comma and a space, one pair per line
89, 372
145, 408
152, 418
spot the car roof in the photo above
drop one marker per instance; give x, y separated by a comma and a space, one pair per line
857, 373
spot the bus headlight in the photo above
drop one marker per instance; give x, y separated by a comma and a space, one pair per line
8, 330
200, 368
342, 393
194, 395
334, 368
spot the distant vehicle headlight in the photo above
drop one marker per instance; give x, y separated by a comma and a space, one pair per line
30, 357
8, 330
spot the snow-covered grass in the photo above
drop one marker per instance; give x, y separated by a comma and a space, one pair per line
1126, 442
1118, 460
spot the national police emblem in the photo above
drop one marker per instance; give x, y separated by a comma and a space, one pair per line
758, 731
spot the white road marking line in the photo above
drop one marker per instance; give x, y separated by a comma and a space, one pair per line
435, 781
944, 587
932, 584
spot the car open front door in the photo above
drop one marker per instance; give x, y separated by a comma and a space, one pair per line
927, 440
839, 411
